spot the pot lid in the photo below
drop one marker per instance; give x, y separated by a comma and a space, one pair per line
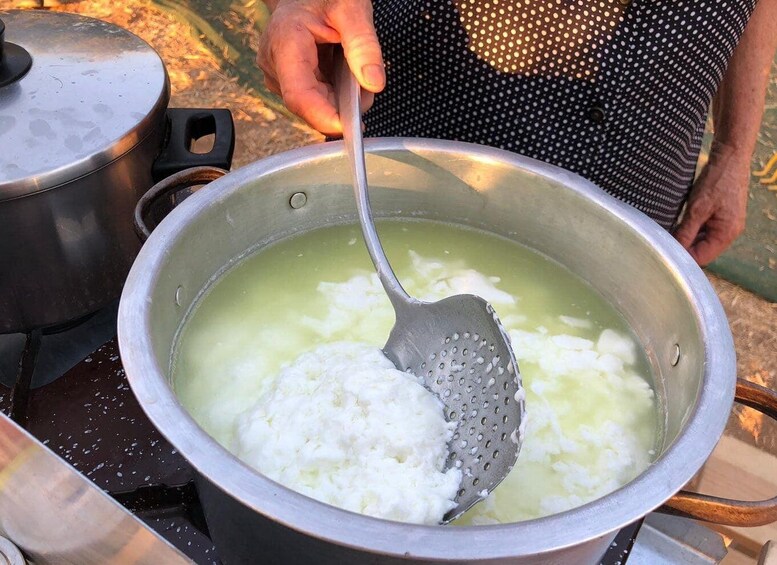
92, 92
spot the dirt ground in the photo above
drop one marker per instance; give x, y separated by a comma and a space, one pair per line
197, 81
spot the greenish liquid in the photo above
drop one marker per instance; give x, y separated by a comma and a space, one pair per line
269, 309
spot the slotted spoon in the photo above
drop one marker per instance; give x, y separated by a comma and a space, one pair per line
456, 347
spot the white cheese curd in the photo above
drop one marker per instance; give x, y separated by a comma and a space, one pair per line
342, 425
591, 419
569, 448
436, 279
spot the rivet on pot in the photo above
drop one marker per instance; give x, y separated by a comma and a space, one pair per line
298, 200
675, 355
178, 295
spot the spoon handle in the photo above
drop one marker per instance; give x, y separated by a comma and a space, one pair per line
348, 94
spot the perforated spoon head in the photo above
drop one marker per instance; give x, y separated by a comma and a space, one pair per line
458, 350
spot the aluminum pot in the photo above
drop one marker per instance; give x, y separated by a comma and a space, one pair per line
85, 130
621, 253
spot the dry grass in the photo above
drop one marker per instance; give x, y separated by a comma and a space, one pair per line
753, 321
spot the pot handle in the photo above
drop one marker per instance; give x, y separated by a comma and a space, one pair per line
179, 181
186, 125
724, 510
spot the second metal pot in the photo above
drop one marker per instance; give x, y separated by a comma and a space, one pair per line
83, 134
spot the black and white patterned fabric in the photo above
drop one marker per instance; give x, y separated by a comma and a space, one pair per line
614, 90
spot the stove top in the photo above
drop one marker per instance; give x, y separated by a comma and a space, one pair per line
90, 418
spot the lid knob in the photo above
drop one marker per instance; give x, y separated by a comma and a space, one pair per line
15, 61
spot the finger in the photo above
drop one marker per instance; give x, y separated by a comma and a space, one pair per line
263, 59
697, 212
720, 232
324, 70
707, 249
353, 20
688, 229
272, 84
367, 98
264, 62
296, 61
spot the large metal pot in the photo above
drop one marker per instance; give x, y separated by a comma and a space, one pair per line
84, 131
626, 257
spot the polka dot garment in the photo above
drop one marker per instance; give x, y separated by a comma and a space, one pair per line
614, 90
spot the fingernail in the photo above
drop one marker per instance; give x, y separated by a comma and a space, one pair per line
373, 75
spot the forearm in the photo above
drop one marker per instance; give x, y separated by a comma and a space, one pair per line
739, 103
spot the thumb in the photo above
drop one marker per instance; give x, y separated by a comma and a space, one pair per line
695, 216
706, 250
360, 43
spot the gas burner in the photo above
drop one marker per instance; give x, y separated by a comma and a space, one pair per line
56, 349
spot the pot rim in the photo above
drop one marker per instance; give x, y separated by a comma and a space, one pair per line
662, 479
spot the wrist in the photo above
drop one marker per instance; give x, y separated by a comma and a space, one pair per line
731, 152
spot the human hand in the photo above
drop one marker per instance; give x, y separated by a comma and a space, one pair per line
716, 211
295, 54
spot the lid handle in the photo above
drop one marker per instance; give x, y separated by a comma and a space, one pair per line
15, 61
